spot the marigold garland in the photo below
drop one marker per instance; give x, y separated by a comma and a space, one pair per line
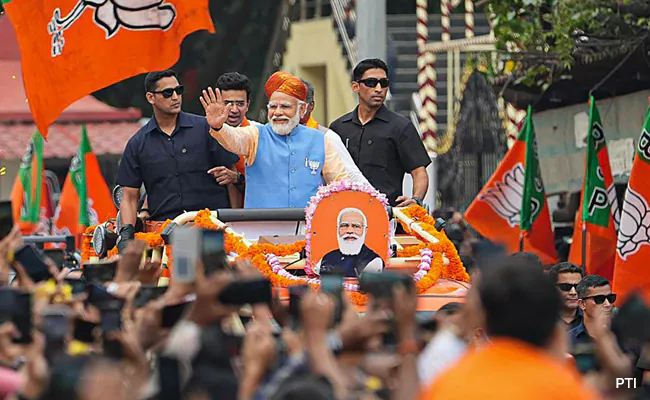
257, 253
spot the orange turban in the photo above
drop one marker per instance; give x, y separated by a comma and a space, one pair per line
286, 83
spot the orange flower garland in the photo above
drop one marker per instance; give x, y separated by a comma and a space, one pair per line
257, 252
87, 250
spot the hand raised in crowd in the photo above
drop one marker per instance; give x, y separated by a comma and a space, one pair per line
8, 350
355, 331
36, 370
150, 273
405, 302
224, 175
128, 266
215, 111
207, 309
148, 324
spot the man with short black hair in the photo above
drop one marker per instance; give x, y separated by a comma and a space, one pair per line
595, 297
171, 155
566, 277
384, 145
236, 92
524, 353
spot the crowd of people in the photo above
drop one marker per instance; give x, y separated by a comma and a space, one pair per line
522, 332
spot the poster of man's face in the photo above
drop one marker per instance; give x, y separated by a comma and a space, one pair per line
352, 256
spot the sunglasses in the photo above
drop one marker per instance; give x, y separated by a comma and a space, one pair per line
600, 298
167, 93
566, 287
372, 82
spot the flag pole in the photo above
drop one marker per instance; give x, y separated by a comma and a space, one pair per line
584, 247
521, 241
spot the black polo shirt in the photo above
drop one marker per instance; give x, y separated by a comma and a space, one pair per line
174, 169
385, 148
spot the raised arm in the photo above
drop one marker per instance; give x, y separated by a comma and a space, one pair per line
242, 141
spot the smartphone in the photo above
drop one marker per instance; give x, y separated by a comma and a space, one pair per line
83, 330
333, 285
213, 254
55, 322
22, 317
78, 285
99, 273
172, 314
111, 316
54, 325
148, 293
33, 264
6, 219
169, 378
98, 296
186, 243
632, 321
58, 256
248, 291
7, 304
295, 296
380, 285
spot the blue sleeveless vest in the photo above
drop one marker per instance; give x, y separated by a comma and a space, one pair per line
287, 170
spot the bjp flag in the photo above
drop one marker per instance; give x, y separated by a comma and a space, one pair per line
598, 215
30, 198
631, 269
85, 199
71, 48
512, 206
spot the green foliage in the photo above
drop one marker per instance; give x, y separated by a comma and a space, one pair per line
544, 38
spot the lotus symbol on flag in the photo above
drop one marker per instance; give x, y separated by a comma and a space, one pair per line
110, 15
635, 222
505, 196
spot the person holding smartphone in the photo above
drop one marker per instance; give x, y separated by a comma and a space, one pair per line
172, 156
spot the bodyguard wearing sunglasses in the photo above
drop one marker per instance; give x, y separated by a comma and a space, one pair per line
384, 145
596, 301
566, 277
171, 155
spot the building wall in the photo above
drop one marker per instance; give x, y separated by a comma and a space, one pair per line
314, 54
560, 134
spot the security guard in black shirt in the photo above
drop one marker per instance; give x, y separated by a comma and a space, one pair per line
171, 155
384, 145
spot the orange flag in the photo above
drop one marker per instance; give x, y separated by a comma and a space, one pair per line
631, 269
599, 219
85, 199
30, 197
71, 48
498, 211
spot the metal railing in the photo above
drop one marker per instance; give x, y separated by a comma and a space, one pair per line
350, 45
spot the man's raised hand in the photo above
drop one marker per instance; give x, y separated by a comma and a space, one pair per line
215, 112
